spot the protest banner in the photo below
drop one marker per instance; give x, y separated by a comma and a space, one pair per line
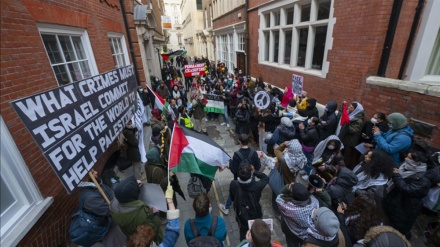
297, 84
215, 103
75, 124
196, 69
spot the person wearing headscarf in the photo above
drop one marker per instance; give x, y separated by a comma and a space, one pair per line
340, 187
351, 132
328, 121
284, 132
403, 203
296, 206
324, 230
310, 109
397, 140
373, 173
291, 159
328, 158
302, 100
287, 96
162, 90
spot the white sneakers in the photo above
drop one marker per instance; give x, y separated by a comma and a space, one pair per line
223, 209
227, 125
223, 123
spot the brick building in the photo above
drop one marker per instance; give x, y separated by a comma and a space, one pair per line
338, 47
44, 45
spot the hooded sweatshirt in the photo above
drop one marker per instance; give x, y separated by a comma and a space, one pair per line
342, 185
328, 121
311, 110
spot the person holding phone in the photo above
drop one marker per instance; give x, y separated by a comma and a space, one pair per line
379, 120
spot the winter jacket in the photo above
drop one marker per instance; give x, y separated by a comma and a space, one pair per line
310, 111
394, 141
331, 121
145, 98
270, 122
350, 136
309, 136
281, 134
403, 203
198, 111
93, 201
342, 186
379, 236
288, 176
203, 225
132, 143
234, 163
367, 129
163, 92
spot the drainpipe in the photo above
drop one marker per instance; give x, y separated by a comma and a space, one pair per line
411, 37
392, 25
247, 38
130, 43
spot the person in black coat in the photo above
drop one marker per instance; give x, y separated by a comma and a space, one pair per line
242, 117
367, 136
328, 121
311, 110
403, 203
309, 138
341, 187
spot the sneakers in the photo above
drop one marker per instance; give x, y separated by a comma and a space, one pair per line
227, 125
222, 208
223, 123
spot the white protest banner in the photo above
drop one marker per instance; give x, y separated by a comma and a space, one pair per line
194, 69
140, 126
75, 124
297, 84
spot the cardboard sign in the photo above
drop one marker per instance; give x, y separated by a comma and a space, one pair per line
297, 84
196, 69
75, 124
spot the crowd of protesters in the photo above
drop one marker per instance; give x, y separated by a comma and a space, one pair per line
326, 190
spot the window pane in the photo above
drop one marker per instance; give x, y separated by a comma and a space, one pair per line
302, 46
434, 61
288, 46
267, 19
276, 16
266, 46
61, 74
67, 48
75, 71
50, 43
324, 9
7, 199
289, 16
305, 12
79, 48
85, 69
318, 50
276, 39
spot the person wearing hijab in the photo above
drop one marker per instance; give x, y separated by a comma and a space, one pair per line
302, 100
310, 110
328, 159
287, 96
291, 159
351, 132
397, 141
404, 202
328, 121
175, 93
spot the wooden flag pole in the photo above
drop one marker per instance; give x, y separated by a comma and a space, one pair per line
99, 187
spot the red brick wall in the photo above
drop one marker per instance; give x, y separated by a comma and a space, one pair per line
26, 70
358, 37
230, 18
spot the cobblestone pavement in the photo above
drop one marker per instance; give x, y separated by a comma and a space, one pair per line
220, 190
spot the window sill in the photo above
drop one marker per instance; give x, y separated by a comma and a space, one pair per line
26, 222
418, 87
313, 72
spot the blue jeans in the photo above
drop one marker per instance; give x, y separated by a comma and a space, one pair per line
309, 166
225, 115
228, 202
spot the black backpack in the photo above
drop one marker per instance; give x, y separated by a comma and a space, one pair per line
246, 206
246, 160
202, 241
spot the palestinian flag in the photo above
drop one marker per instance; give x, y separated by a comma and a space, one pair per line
171, 55
159, 102
194, 152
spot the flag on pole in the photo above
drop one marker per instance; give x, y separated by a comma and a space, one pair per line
344, 119
171, 55
194, 152
158, 100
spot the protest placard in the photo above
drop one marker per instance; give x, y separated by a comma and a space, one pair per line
75, 124
196, 69
297, 84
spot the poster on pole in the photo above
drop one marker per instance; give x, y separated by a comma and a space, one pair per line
166, 22
75, 124
297, 84
196, 69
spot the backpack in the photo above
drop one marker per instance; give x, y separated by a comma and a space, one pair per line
248, 158
86, 228
195, 187
204, 241
246, 206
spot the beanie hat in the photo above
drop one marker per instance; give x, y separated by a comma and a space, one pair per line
397, 120
286, 122
128, 190
316, 181
299, 192
326, 222
156, 130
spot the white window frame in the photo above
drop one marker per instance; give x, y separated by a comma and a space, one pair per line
421, 52
66, 30
240, 41
123, 44
29, 203
282, 6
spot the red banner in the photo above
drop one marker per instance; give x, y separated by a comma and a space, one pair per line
194, 69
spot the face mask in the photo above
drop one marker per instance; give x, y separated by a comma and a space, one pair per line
309, 122
331, 147
373, 120
326, 109
140, 90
